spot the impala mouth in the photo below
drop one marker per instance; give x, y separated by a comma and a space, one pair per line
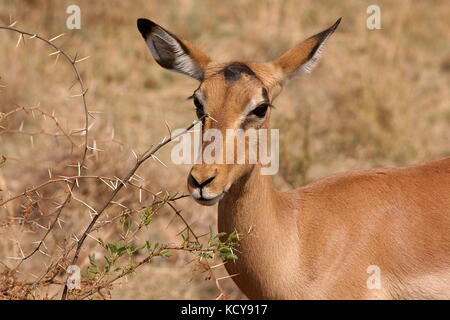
210, 201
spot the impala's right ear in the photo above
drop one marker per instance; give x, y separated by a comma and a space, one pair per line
173, 53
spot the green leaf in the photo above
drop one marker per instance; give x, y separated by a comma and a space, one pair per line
165, 253
205, 255
219, 235
108, 260
229, 256
225, 250
147, 216
111, 247
93, 270
92, 260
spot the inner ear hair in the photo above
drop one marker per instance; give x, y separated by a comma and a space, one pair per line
172, 53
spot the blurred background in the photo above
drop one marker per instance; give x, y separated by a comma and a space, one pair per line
377, 98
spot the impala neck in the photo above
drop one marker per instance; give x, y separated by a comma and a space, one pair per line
265, 218
247, 202
253, 202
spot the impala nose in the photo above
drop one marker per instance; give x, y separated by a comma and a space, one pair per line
201, 187
196, 184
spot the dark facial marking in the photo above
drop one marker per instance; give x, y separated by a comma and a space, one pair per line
233, 71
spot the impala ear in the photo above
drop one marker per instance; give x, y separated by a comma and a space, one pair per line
303, 58
173, 53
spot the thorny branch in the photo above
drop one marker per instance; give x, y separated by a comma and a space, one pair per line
115, 184
148, 154
73, 62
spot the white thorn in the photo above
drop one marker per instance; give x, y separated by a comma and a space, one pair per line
18, 41
54, 38
56, 52
82, 59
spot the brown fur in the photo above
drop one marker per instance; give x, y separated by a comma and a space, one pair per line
316, 242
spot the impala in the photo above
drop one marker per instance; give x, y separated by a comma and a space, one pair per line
320, 240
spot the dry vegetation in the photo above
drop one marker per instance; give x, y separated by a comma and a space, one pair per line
377, 98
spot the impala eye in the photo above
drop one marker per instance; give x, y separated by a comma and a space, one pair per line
199, 108
261, 110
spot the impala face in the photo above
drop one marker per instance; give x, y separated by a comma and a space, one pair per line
233, 95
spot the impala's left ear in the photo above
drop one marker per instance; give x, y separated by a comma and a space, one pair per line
171, 52
303, 58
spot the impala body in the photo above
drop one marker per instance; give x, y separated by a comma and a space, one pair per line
320, 241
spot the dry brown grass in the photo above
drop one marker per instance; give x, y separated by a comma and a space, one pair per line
377, 98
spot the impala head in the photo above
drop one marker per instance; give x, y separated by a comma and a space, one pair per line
233, 95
